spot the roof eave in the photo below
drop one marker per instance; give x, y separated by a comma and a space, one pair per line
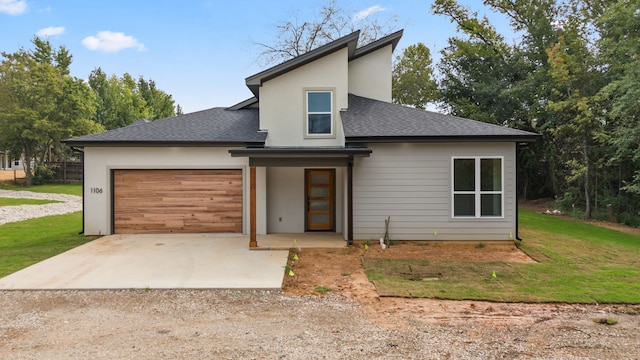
248, 144
456, 138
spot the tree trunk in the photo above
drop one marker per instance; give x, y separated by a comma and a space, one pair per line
27, 169
587, 185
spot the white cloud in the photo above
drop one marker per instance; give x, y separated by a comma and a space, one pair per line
13, 7
363, 14
50, 31
109, 41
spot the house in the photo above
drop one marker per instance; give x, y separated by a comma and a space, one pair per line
319, 147
8, 162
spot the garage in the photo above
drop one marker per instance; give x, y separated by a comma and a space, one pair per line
177, 201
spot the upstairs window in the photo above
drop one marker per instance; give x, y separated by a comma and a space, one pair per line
319, 113
478, 189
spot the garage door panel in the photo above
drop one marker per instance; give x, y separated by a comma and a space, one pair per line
188, 201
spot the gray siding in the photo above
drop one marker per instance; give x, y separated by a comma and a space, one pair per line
412, 184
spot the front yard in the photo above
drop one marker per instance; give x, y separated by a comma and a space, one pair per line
570, 261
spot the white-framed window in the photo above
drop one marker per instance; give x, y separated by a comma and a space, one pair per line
319, 113
477, 184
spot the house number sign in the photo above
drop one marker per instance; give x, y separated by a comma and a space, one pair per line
96, 190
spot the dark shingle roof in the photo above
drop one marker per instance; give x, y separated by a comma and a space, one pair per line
216, 126
372, 120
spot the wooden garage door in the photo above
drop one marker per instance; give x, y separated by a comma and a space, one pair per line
170, 201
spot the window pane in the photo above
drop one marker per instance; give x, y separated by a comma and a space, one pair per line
491, 175
464, 205
319, 192
464, 174
319, 101
319, 124
319, 205
319, 178
490, 205
320, 218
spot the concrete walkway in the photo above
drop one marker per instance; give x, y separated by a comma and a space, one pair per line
175, 261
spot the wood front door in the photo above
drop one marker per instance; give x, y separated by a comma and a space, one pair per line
320, 198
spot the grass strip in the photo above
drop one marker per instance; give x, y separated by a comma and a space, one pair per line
20, 201
70, 189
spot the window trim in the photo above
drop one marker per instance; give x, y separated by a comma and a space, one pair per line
306, 133
477, 192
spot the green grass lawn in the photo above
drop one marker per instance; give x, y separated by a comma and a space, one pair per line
27, 242
577, 263
18, 201
71, 189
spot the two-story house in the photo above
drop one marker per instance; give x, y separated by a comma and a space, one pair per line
319, 147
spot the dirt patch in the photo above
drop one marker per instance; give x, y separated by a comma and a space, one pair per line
342, 272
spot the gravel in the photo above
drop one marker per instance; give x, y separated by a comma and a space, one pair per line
250, 324
67, 204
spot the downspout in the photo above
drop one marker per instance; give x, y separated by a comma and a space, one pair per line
82, 159
517, 194
350, 200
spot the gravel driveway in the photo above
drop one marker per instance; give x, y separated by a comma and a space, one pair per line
68, 204
223, 324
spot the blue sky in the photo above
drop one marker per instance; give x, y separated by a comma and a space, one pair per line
199, 51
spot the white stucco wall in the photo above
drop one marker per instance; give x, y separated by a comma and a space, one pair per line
282, 101
412, 184
99, 161
370, 75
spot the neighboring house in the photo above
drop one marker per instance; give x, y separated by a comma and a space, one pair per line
320, 147
7, 162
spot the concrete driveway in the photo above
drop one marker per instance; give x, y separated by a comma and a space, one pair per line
167, 261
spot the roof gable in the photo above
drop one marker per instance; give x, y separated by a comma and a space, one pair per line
350, 41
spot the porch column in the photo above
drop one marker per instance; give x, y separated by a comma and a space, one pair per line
253, 242
350, 201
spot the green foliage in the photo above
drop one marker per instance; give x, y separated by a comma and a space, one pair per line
122, 101
19, 201
413, 82
27, 242
70, 189
322, 289
40, 104
605, 321
571, 74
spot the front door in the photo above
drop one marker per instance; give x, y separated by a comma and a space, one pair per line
320, 199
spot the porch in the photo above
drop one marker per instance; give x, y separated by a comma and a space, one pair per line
286, 241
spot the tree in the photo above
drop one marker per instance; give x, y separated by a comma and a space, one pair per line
40, 104
619, 47
413, 82
122, 101
159, 104
295, 37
